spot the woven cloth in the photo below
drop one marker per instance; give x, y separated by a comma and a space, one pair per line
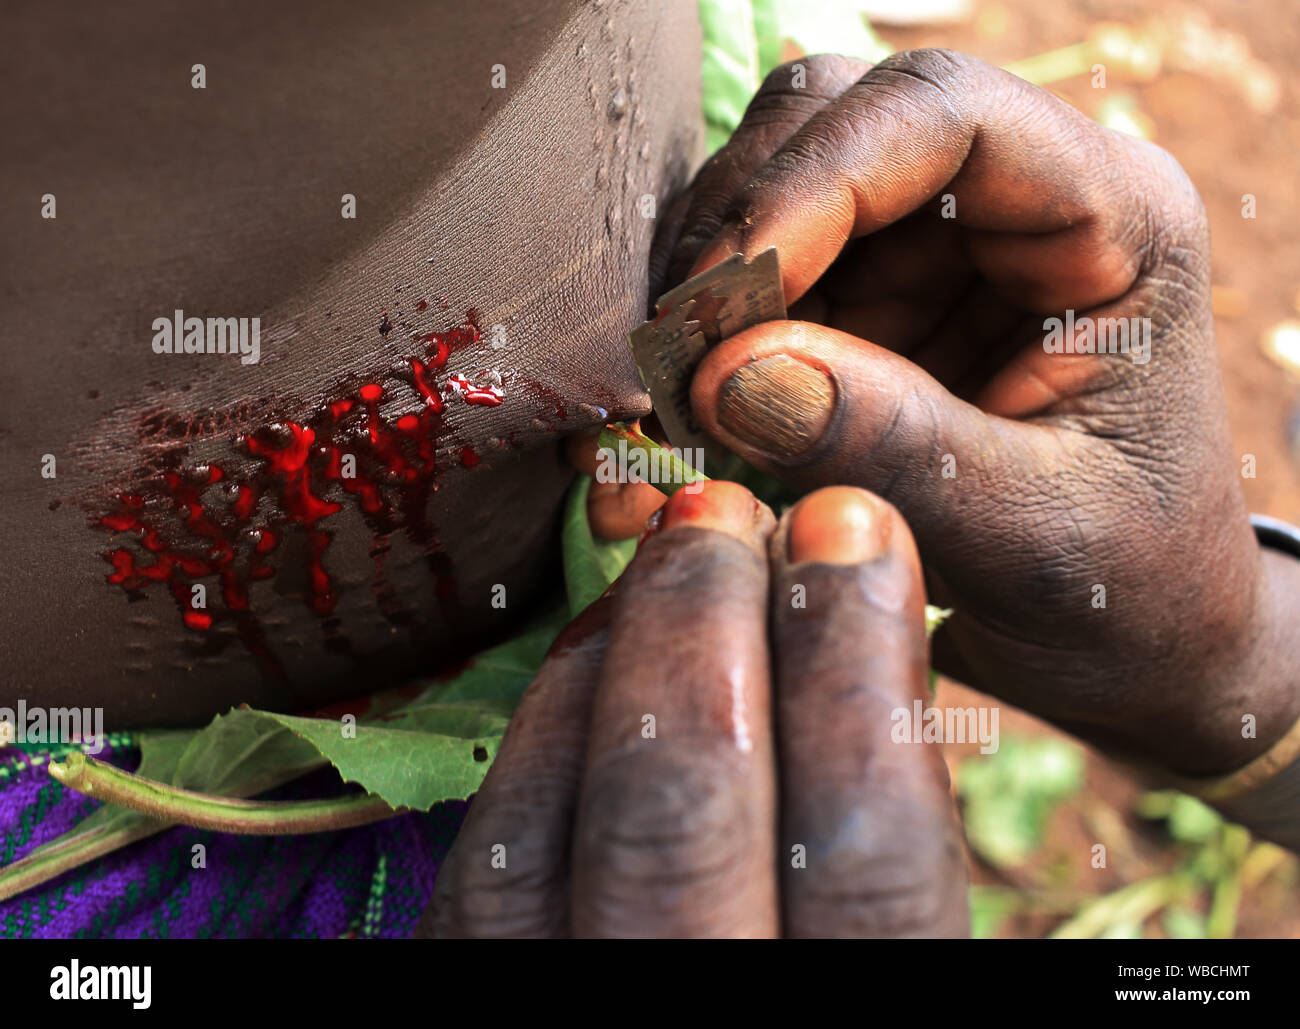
369, 882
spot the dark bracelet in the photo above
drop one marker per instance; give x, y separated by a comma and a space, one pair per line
1276, 534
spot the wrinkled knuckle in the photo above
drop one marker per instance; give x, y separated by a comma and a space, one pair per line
1175, 183
682, 574
820, 76
650, 824
498, 880
935, 86
1176, 228
942, 70
885, 873
801, 157
887, 463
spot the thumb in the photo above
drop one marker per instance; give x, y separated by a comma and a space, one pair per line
816, 407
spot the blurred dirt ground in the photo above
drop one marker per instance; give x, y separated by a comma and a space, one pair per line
1226, 103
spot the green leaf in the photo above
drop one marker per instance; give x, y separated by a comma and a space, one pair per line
501, 674
935, 617
1007, 797
1129, 930
110, 828
1120, 915
436, 747
770, 31
590, 565
239, 755
746, 39
245, 752
414, 767
990, 906
1184, 923
1155, 804
834, 28
729, 73
1191, 821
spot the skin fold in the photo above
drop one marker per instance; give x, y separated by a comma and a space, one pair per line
227, 202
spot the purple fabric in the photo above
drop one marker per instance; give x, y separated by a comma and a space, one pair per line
368, 882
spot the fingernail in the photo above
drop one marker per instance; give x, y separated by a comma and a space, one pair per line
719, 505
838, 525
778, 404
722, 506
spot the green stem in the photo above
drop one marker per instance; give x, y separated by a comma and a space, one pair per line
1054, 65
1132, 904
673, 472
1221, 922
50, 861
220, 814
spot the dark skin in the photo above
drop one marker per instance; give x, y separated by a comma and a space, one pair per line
228, 201
925, 333
1070, 472
915, 336
769, 798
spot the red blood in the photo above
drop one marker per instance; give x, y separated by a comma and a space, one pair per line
548, 396
120, 522
482, 396
428, 392
184, 538
438, 350
322, 589
234, 593
245, 501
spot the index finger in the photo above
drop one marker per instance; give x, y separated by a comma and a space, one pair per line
676, 820
782, 105
1016, 161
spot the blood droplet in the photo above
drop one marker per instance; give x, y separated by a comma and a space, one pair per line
199, 620
390, 476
